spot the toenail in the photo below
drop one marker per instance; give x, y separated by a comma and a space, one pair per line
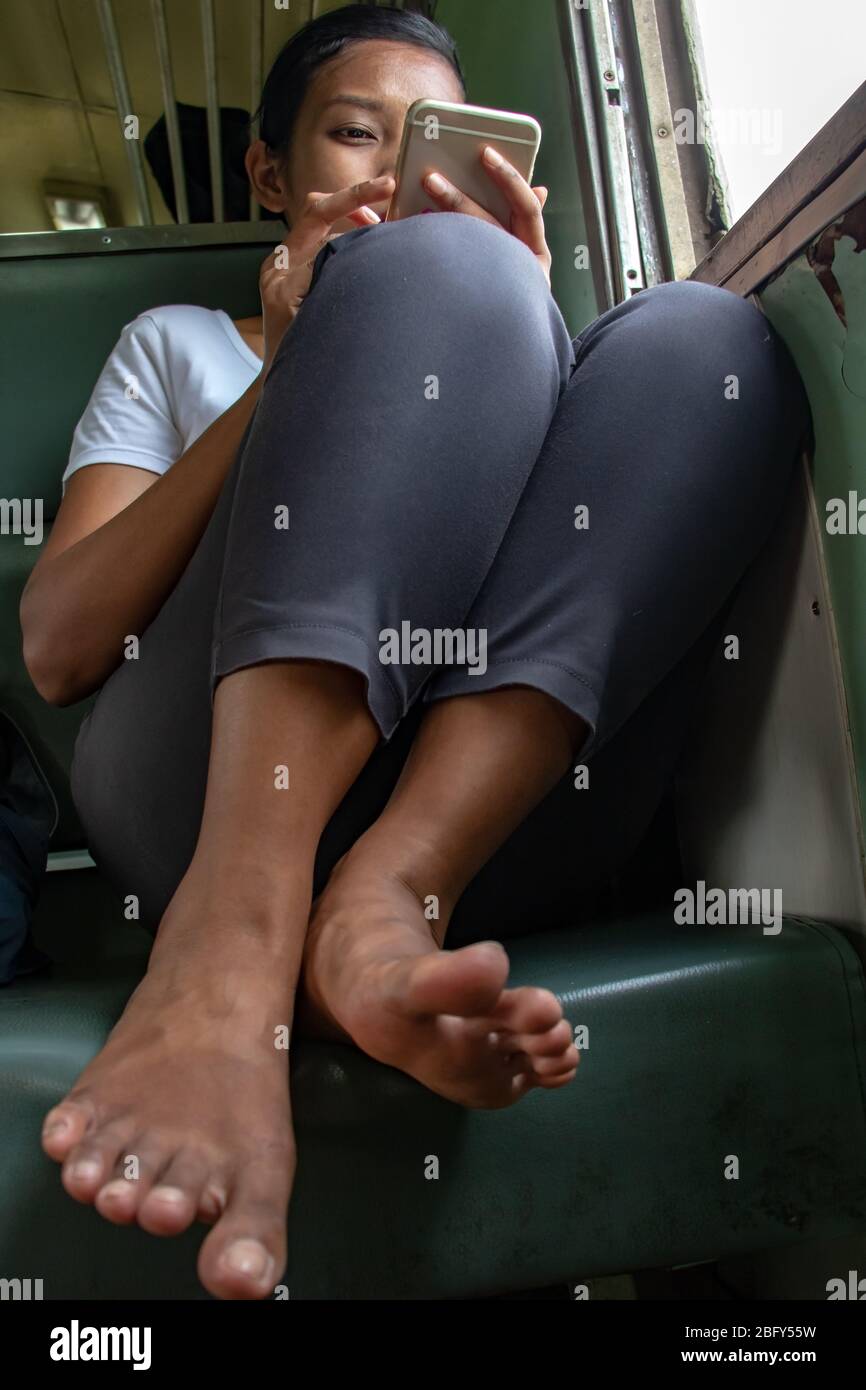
118, 1188
248, 1257
85, 1169
55, 1126
172, 1195
214, 1200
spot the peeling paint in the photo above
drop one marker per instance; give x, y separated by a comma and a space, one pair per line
833, 260
822, 253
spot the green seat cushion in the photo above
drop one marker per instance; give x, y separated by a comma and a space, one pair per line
705, 1043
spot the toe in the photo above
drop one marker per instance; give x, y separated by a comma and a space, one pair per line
121, 1195
465, 982
552, 1083
213, 1200
117, 1200
556, 1066
523, 1080
245, 1254
173, 1201
92, 1163
529, 1010
552, 1042
64, 1127
527, 1013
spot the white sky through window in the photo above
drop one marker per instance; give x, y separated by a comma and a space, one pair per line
776, 71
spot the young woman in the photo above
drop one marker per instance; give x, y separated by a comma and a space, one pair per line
405, 441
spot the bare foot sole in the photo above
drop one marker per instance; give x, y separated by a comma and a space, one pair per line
184, 1115
374, 974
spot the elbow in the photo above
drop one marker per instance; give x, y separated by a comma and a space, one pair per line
49, 680
42, 654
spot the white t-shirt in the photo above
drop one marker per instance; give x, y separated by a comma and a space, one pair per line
172, 372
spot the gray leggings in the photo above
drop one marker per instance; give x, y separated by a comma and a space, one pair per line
581, 512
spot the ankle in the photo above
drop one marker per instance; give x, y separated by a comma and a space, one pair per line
427, 870
249, 910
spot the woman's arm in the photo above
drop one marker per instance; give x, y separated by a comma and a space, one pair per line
122, 538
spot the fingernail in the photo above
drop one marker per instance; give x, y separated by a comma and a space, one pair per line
248, 1257
370, 214
435, 183
492, 156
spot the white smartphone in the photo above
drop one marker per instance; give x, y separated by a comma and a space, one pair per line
449, 137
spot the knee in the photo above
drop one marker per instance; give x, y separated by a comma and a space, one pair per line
703, 322
445, 259
688, 317
443, 284
709, 339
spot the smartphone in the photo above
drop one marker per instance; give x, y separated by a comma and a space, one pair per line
449, 137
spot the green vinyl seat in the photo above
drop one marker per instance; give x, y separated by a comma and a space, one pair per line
705, 1044
719, 1107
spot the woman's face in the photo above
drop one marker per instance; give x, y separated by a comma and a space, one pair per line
350, 124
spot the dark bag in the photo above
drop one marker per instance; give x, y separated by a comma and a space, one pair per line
234, 138
28, 819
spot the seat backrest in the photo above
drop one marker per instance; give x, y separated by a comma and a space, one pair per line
64, 298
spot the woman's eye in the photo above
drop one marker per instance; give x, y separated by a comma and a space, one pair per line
353, 130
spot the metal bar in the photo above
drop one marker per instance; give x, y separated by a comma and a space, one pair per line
26, 246
664, 146
214, 143
117, 72
700, 167
175, 148
586, 148
606, 85
256, 76
644, 180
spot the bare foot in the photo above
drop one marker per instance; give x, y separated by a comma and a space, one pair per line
374, 975
185, 1113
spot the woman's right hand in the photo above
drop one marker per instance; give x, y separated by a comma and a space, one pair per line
286, 272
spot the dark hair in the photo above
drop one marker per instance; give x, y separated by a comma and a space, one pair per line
322, 39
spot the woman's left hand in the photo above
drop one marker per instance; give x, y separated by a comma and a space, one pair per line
527, 204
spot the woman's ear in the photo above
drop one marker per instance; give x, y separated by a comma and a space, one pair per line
264, 176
